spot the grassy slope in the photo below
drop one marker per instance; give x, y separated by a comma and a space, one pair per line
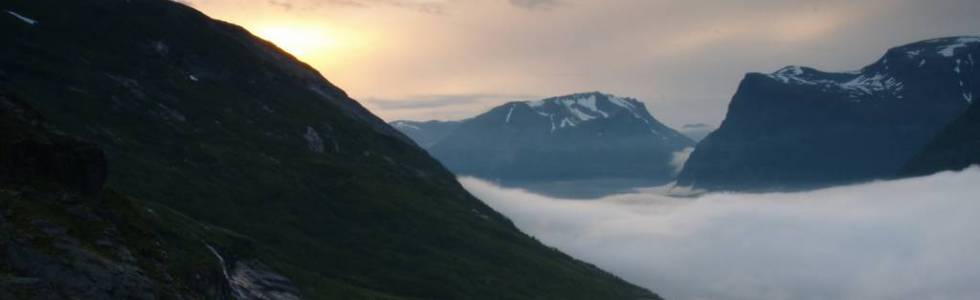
370, 216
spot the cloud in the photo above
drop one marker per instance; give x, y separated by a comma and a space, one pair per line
425, 6
683, 58
679, 158
696, 126
905, 239
535, 4
284, 4
437, 101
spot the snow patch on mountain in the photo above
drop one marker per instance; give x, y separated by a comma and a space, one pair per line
571, 111
879, 78
27, 20
590, 104
402, 125
961, 42
855, 84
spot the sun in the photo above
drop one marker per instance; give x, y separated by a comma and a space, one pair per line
302, 41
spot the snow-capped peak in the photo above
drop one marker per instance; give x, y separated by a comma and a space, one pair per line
884, 77
578, 108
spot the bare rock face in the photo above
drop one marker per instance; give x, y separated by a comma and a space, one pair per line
252, 279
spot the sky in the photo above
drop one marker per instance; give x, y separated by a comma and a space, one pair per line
901, 240
453, 59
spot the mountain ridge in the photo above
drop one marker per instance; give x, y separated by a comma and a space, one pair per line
800, 127
203, 118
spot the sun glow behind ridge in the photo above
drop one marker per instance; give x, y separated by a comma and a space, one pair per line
301, 41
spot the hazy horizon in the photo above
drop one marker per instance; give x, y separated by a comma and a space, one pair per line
452, 59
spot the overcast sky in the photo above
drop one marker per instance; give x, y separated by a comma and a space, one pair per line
451, 59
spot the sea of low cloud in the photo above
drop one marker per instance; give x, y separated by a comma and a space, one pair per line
906, 239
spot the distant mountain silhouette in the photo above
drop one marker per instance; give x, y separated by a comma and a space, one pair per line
573, 137
804, 128
426, 134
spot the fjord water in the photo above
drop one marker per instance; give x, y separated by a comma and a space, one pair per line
902, 239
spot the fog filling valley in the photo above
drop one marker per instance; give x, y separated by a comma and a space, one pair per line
904, 239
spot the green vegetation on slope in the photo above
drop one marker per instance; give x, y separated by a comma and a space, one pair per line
199, 116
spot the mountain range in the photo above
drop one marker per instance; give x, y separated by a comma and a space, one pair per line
574, 137
231, 170
804, 128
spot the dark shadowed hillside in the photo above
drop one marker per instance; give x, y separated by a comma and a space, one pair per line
65, 237
199, 117
955, 148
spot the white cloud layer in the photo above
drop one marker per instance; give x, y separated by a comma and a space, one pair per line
679, 158
905, 239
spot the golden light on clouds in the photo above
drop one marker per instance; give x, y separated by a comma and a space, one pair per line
327, 42
674, 55
324, 46
301, 41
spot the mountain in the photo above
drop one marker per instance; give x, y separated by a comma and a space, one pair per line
202, 120
955, 148
697, 131
804, 128
427, 133
580, 136
66, 236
